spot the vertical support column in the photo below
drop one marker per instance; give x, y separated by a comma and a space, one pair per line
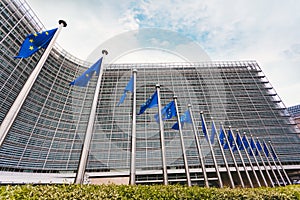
7, 34
162, 138
133, 132
89, 130
201, 157
7, 79
15, 108
186, 166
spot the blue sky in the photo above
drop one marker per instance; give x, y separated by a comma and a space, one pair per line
267, 31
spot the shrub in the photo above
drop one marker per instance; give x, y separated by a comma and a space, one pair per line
75, 191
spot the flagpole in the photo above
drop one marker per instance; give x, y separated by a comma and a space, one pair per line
133, 132
212, 152
201, 157
249, 159
257, 164
285, 174
224, 157
270, 153
233, 157
273, 172
186, 167
162, 138
89, 130
241, 157
263, 162
15, 108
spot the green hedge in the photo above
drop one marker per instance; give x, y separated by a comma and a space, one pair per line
143, 192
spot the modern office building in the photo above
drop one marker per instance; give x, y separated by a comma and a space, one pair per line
44, 141
295, 114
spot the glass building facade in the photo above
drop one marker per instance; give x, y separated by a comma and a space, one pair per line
294, 110
295, 114
48, 132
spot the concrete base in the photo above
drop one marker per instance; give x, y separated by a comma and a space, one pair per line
110, 180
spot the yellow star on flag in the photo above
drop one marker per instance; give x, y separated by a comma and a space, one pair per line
31, 40
47, 33
31, 47
35, 34
87, 75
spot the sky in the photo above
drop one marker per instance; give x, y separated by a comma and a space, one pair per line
267, 31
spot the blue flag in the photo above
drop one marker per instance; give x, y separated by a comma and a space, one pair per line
230, 140
222, 136
213, 133
150, 103
128, 88
252, 145
245, 141
203, 127
273, 153
167, 112
185, 118
34, 42
259, 148
266, 149
238, 142
83, 80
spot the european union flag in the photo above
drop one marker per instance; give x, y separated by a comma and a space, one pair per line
150, 103
34, 42
213, 133
167, 112
222, 136
185, 118
273, 153
252, 145
238, 142
259, 148
128, 88
266, 149
245, 141
203, 127
87, 75
230, 140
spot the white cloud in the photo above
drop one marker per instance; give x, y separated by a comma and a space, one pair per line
89, 22
267, 31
